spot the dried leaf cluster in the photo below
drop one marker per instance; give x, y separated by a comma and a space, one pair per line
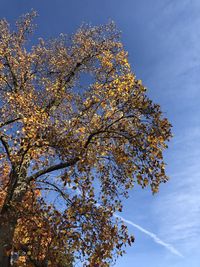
77, 131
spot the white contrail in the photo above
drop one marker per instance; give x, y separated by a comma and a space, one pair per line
152, 235
141, 229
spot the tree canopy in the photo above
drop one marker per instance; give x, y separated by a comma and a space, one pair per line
77, 131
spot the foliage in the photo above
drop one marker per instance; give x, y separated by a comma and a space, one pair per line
77, 131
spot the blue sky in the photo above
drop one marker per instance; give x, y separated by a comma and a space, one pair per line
162, 38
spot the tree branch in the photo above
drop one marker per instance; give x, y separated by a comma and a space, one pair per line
9, 122
52, 103
14, 78
53, 168
57, 189
6, 147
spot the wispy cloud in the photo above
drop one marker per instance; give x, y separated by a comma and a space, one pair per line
152, 235
178, 211
177, 208
143, 230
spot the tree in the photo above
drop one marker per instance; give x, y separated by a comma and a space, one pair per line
77, 130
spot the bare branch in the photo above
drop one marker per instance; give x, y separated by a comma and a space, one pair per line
9, 122
6, 147
14, 78
53, 168
57, 189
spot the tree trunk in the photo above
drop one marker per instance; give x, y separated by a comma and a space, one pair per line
8, 222
9, 215
7, 228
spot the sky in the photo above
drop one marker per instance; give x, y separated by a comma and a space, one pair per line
162, 38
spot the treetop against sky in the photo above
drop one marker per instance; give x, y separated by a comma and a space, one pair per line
109, 132
161, 38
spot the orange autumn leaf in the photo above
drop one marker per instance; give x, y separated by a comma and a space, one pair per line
70, 152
